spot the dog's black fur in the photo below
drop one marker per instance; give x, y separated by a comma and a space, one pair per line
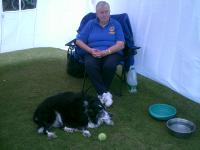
68, 110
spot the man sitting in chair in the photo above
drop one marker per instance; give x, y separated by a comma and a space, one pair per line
103, 40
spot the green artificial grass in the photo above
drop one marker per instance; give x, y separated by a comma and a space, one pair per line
27, 77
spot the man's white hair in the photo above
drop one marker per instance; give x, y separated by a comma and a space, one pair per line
102, 4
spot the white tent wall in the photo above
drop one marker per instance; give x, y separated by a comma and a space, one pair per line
57, 21
17, 29
0, 24
51, 24
168, 33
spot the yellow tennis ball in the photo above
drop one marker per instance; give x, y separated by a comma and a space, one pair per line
102, 136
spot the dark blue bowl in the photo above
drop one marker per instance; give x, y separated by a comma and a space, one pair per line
162, 111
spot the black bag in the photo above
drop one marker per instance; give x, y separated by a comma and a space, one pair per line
74, 67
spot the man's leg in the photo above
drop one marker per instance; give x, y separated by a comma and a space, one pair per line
93, 69
110, 63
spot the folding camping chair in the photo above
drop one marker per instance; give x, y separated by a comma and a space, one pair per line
129, 50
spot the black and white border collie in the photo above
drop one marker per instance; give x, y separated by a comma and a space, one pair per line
72, 112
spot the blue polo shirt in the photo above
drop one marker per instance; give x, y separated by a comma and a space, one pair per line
96, 36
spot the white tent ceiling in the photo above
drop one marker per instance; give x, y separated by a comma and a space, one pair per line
168, 32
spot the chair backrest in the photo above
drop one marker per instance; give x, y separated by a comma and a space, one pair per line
123, 19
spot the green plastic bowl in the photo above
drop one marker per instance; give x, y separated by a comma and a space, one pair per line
162, 111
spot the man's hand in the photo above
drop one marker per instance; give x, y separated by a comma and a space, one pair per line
98, 53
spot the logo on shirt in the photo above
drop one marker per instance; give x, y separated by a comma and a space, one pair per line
112, 30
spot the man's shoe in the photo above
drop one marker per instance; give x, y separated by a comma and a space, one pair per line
106, 98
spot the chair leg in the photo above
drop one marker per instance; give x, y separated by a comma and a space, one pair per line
84, 82
123, 78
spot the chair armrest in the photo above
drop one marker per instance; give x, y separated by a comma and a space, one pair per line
135, 47
71, 43
130, 51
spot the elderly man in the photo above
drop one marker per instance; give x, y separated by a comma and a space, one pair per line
103, 40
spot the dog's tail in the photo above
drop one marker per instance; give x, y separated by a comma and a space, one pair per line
35, 119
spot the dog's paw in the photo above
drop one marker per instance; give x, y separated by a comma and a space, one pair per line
86, 133
111, 123
92, 125
108, 122
40, 130
51, 135
70, 130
